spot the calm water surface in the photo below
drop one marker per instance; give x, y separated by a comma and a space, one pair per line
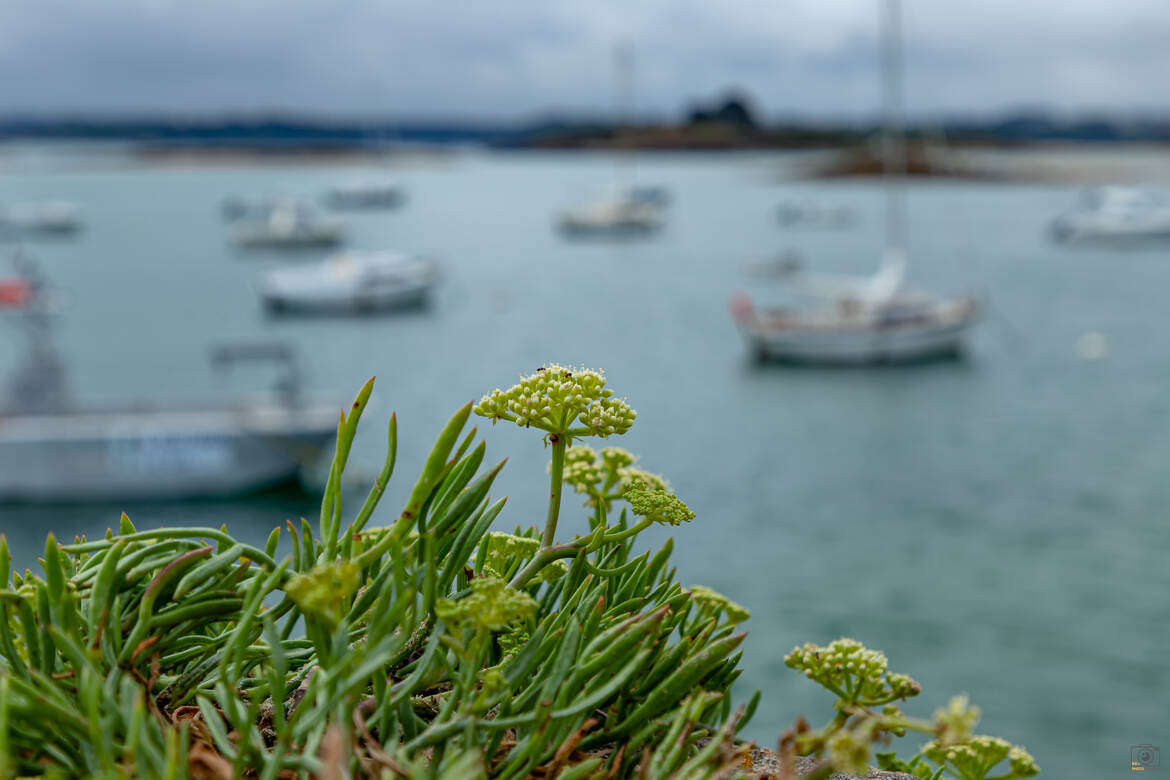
996, 526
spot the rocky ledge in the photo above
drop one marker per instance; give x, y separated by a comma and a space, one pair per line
766, 764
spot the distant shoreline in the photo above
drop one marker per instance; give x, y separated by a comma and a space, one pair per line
1034, 162
722, 130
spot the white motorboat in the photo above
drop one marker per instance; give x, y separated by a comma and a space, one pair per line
634, 211
615, 218
53, 218
1114, 214
52, 450
365, 195
351, 282
860, 320
289, 225
810, 213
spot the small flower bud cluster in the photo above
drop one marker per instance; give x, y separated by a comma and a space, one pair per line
606, 474
714, 602
616, 458
514, 638
661, 506
491, 683
608, 416
1022, 763
976, 757
581, 468
903, 686
849, 752
492, 606
956, 722
630, 476
554, 397
894, 712
324, 590
503, 548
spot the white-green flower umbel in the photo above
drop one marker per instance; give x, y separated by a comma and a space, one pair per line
607, 474
852, 672
582, 470
978, 756
506, 552
956, 721
492, 606
849, 751
631, 476
561, 400
323, 590
713, 602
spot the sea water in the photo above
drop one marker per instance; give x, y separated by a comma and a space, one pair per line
996, 525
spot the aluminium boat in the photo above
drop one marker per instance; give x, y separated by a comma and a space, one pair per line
55, 450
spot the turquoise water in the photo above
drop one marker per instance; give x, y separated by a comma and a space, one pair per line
996, 525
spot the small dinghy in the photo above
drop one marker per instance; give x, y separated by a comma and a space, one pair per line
54, 218
289, 226
616, 218
1114, 215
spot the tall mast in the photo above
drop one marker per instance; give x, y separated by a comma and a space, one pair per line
623, 102
894, 160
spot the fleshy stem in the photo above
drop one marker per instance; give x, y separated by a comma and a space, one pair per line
559, 442
583, 544
542, 559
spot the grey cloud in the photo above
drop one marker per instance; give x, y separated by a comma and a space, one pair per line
516, 58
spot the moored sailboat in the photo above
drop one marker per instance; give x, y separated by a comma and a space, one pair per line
859, 320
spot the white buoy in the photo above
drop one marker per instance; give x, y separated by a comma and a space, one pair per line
1093, 346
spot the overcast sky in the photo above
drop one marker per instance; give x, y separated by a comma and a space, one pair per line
513, 59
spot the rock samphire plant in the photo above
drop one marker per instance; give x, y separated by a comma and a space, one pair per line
429, 647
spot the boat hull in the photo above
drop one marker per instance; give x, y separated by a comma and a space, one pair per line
351, 302
169, 455
575, 228
863, 344
261, 240
1088, 232
345, 200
